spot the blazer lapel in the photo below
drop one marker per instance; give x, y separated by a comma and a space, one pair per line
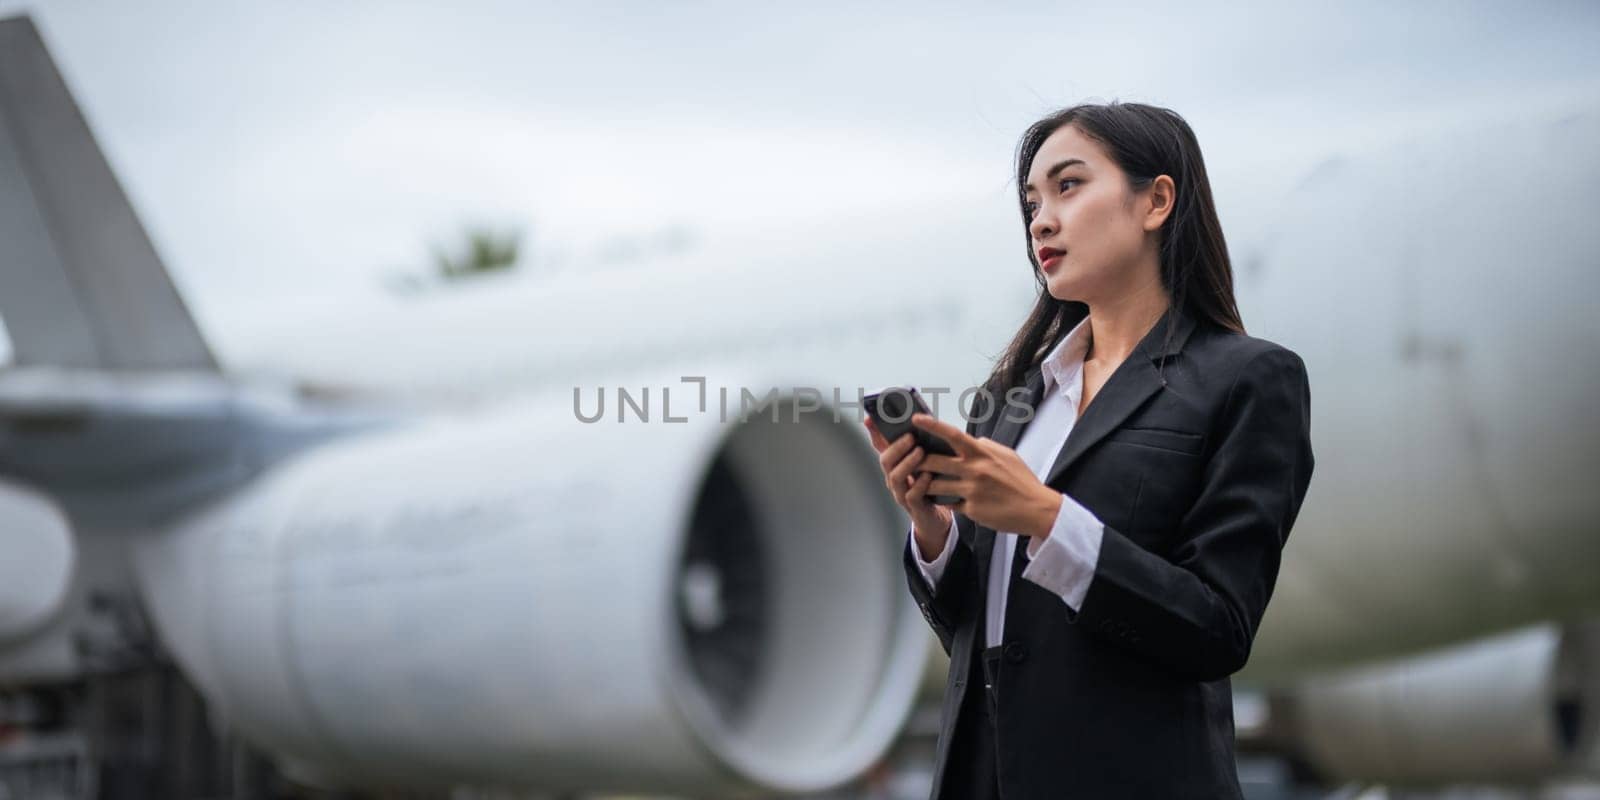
1007, 431
1008, 428
1133, 382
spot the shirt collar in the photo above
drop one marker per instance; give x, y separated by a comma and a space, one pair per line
1063, 365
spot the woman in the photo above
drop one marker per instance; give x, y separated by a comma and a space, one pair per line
1121, 524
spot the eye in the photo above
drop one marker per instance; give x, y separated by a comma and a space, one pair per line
1030, 207
1065, 181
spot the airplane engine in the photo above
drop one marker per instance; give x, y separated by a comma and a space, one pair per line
521, 599
1523, 705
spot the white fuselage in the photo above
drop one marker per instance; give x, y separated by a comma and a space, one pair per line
1440, 305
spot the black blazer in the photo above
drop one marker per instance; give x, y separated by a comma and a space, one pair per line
1197, 465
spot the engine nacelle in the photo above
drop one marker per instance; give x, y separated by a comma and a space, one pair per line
522, 599
1513, 707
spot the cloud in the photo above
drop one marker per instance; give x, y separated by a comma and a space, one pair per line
275, 147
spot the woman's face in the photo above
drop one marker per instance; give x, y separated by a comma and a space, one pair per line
1081, 204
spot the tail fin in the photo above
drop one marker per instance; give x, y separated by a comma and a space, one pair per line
80, 282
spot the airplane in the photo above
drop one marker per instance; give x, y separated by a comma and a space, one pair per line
378, 546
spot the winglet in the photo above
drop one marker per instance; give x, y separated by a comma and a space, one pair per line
81, 284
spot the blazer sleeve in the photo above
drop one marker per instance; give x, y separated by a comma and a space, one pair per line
1197, 613
946, 605
949, 603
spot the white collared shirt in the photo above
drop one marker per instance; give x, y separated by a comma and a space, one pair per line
1064, 561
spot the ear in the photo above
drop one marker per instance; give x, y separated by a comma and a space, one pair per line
1162, 194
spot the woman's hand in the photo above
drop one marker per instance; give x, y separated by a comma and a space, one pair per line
998, 489
897, 461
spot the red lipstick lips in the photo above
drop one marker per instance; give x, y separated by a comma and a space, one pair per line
1048, 256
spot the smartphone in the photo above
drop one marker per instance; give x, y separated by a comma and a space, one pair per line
891, 411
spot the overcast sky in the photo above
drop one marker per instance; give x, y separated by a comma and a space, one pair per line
272, 147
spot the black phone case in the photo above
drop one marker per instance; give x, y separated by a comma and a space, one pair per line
893, 429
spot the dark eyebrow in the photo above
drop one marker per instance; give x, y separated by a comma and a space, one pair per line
1060, 165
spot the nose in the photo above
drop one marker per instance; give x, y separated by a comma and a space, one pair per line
1041, 227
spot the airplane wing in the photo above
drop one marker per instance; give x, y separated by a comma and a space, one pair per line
73, 432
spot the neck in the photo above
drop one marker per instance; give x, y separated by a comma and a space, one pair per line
1116, 326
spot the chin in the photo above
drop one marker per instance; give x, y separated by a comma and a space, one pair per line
1061, 289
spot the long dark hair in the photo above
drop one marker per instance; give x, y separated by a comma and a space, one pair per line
1145, 141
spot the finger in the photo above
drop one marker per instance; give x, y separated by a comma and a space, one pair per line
919, 487
902, 471
958, 439
878, 442
953, 486
901, 484
897, 488
949, 465
892, 454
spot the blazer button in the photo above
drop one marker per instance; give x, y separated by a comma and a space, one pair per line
1016, 651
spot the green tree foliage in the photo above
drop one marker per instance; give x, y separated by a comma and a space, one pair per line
486, 251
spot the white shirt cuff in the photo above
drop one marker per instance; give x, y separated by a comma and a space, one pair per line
1064, 561
931, 570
